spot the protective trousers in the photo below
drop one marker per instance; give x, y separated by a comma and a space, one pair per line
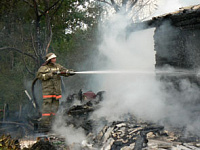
49, 109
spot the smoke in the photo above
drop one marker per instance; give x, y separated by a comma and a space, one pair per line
131, 93
72, 135
141, 95
144, 96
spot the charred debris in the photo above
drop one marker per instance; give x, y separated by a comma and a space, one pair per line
131, 133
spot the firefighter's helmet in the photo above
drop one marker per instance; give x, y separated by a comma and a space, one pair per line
49, 56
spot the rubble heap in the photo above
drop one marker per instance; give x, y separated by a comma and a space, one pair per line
130, 133
78, 115
126, 135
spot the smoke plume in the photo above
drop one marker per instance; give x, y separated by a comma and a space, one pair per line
142, 95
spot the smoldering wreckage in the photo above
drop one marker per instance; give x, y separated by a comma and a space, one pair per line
131, 133
126, 134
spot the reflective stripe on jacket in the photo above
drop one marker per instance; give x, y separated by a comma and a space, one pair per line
52, 96
48, 114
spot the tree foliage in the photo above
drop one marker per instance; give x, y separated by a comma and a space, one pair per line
31, 28
137, 10
28, 30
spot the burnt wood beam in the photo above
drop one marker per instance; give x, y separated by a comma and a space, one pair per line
185, 18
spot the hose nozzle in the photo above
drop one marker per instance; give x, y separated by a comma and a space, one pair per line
72, 72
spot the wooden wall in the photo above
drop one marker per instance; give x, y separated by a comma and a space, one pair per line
177, 40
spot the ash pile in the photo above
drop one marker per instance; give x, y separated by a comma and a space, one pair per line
131, 133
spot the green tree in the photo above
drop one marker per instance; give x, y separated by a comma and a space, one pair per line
137, 10
28, 30
31, 28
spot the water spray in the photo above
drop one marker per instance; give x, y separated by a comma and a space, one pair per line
114, 72
143, 72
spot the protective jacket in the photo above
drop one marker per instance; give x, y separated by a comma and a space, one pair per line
51, 83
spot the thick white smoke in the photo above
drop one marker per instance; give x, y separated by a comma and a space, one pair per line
129, 93
140, 94
71, 134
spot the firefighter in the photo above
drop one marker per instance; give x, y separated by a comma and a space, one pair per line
51, 88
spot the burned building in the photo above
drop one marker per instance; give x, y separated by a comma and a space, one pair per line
176, 37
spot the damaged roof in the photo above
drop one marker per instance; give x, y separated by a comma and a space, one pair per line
182, 10
186, 17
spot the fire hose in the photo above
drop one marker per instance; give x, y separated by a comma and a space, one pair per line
34, 98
